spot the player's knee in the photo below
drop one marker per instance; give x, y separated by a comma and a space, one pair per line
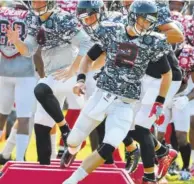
42, 90
105, 150
75, 138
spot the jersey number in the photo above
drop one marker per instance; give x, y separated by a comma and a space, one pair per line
3, 26
126, 55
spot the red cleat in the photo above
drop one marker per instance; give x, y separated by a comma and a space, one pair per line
165, 162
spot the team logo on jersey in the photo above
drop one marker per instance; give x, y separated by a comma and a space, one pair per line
147, 39
126, 55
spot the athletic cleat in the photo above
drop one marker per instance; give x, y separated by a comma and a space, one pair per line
185, 175
64, 138
147, 181
173, 172
3, 160
174, 169
132, 159
165, 162
67, 159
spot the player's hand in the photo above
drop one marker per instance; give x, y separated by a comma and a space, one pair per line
157, 113
180, 102
13, 35
79, 88
63, 74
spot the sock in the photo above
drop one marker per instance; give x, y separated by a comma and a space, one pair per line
185, 154
160, 149
10, 144
149, 173
64, 129
53, 146
131, 147
78, 175
1, 132
192, 156
21, 146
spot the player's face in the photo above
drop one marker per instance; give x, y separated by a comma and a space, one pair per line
176, 5
90, 20
39, 6
142, 24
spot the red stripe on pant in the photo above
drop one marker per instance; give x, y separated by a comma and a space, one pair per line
168, 134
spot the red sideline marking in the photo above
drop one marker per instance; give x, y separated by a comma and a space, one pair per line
57, 176
33, 173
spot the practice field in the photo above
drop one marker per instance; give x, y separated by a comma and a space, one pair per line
31, 155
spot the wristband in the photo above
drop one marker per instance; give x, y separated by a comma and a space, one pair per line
160, 99
81, 77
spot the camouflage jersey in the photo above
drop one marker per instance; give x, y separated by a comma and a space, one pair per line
126, 58
60, 34
57, 31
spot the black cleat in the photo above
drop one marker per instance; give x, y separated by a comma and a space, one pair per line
61, 151
132, 159
67, 159
3, 160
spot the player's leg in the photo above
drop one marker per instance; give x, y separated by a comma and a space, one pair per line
118, 123
44, 93
10, 145
91, 116
44, 122
6, 105
25, 101
71, 116
181, 119
132, 151
145, 139
6, 100
53, 142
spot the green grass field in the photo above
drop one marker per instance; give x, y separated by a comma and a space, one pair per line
31, 155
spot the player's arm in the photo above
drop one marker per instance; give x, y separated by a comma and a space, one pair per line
38, 62
93, 54
172, 32
98, 63
165, 70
